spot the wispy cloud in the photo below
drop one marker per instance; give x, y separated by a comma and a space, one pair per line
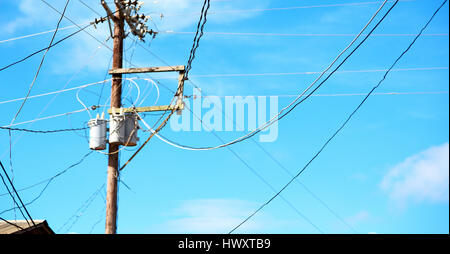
213, 216
423, 177
31, 12
78, 51
357, 218
179, 14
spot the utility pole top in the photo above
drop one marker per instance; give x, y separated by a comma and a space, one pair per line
128, 11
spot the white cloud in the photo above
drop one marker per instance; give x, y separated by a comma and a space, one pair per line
30, 11
78, 50
358, 218
84, 52
213, 216
179, 14
421, 177
72, 54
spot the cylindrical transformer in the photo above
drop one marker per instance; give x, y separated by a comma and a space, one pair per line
117, 129
97, 134
131, 130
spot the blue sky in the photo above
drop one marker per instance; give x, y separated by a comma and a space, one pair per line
386, 172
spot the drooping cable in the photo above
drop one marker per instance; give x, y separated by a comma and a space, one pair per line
41, 131
346, 121
46, 48
198, 35
14, 199
290, 106
17, 194
12, 224
48, 181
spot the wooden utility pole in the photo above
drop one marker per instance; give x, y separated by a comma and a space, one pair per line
116, 96
127, 11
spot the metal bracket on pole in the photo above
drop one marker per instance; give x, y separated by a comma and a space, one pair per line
179, 106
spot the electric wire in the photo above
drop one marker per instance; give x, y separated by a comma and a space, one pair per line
233, 75
345, 122
48, 181
261, 178
56, 92
103, 85
325, 95
45, 131
72, 26
54, 176
252, 170
41, 50
13, 198
106, 46
313, 72
12, 224
304, 34
155, 133
102, 213
47, 117
198, 35
17, 195
54, 97
35, 34
172, 111
224, 11
148, 139
79, 212
289, 107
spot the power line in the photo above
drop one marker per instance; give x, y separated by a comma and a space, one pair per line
79, 212
46, 186
262, 179
47, 48
90, 8
346, 121
55, 92
48, 180
154, 132
245, 34
161, 126
324, 72
13, 198
47, 117
198, 35
106, 46
303, 34
43, 132
329, 95
17, 194
238, 75
230, 75
306, 188
12, 224
283, 8
36, 34
200, 27
248, 166
293, 104
54, 97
